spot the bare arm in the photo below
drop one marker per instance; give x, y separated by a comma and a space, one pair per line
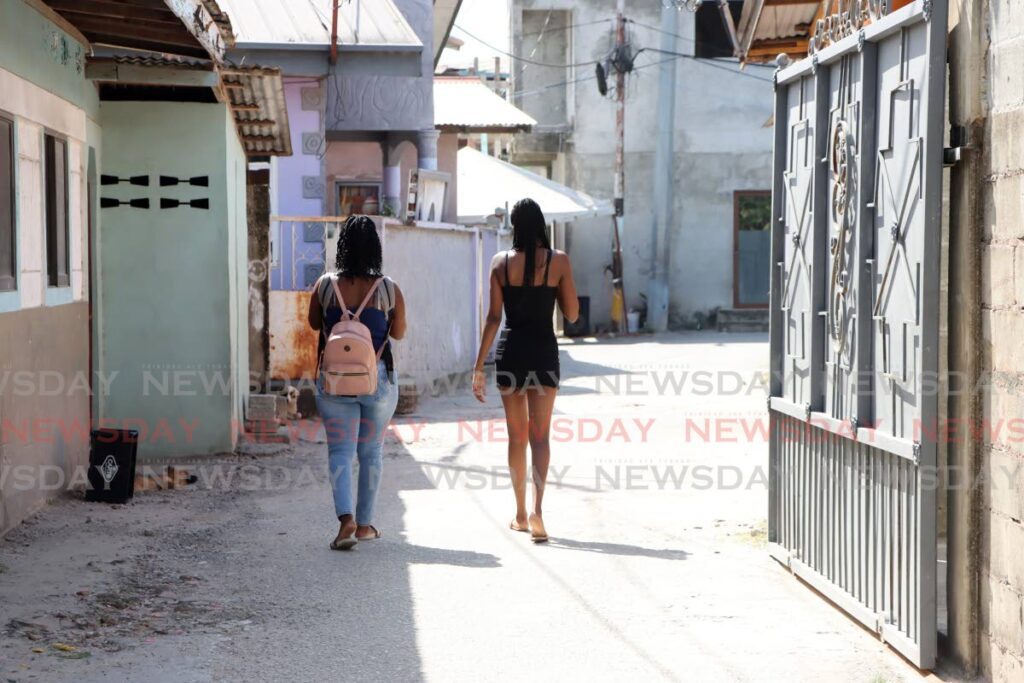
491, 324
568, 300
398, 324
316, 314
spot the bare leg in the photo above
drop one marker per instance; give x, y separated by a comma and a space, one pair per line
541, 404
517, 420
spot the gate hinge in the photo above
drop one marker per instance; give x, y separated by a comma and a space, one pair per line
958, 145
916, 451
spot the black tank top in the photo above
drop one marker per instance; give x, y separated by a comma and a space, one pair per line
529, 307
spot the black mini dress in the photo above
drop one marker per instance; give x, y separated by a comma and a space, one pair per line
527, 352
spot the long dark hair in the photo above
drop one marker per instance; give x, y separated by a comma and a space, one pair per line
529, 230
359, 251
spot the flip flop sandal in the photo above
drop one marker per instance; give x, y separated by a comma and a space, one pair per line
514, 526
375, 535
344, 543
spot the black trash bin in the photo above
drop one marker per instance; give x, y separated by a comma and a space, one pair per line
112, 465
580, 328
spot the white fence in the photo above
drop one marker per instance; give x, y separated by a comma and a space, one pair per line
442, 270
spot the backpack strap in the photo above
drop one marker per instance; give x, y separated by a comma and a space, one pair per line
345, 315
369, 294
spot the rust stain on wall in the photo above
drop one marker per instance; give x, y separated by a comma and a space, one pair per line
292, 341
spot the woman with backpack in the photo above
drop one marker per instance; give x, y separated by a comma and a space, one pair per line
525, 283
356, 391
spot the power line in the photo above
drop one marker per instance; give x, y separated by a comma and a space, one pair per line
569, 26
673, 55
522, 59
708, 62
689, 40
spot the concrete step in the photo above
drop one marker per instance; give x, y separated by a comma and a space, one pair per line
743, 319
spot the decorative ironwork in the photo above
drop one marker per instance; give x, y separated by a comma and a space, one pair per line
842, 18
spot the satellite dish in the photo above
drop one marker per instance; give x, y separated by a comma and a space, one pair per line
602, 81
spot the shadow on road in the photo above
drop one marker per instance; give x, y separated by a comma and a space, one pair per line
618, 549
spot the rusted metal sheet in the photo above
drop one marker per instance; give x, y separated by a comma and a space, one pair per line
292, 341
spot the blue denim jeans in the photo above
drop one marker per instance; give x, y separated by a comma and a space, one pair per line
355, 427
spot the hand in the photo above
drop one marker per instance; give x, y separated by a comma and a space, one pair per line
479, 380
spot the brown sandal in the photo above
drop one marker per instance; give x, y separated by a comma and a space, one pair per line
345, 542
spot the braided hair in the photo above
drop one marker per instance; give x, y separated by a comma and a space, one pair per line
359, 250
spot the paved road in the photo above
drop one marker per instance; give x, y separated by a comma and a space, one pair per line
656, 570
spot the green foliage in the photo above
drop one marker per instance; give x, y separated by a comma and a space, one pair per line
755, 212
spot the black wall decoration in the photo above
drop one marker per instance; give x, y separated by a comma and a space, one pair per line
110, 203
134, 180
196, 180
166, 203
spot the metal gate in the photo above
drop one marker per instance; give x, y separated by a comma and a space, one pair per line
856, 200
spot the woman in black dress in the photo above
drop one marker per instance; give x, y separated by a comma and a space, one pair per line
525, 283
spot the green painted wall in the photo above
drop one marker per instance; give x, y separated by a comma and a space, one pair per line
34, 48
172, 281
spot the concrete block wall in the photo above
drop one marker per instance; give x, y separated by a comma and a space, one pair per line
1001, 254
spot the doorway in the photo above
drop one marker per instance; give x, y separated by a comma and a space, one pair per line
752, 219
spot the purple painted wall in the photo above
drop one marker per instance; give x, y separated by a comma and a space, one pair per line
291, 197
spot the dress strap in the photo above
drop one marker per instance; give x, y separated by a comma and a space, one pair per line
508, 283
547, 267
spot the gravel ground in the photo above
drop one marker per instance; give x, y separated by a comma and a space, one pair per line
646, 576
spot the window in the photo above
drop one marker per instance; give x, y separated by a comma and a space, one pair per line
712, 35
8, 238
57, 261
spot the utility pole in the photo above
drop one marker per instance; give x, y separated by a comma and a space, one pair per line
618, 291
664, 174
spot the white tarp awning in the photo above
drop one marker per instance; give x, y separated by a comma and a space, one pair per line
487, 183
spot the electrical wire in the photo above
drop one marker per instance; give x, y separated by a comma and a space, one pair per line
568, 26
708, 62
522, 59
724, 56
674, 55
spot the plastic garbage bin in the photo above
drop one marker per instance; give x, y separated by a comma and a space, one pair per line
112, 465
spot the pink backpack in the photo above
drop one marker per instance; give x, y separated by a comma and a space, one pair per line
349, 363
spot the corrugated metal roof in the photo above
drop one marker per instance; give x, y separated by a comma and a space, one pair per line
467, 105
256, 98
760, 21
361, 23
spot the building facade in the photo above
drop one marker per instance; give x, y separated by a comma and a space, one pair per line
721, 154
123, 250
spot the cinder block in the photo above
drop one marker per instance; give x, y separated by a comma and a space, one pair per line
997, 275
1007, 129
1005, 560
1005, 622
1018, 274
1006, 330
262, 407
1004, 208
1001, 666
1006, 84
1008, 21
1005, 482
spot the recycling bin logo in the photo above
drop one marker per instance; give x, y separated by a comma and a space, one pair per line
108, 470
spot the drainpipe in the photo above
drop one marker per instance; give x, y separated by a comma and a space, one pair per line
334, 32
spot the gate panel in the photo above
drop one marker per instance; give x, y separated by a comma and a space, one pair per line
854, 338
